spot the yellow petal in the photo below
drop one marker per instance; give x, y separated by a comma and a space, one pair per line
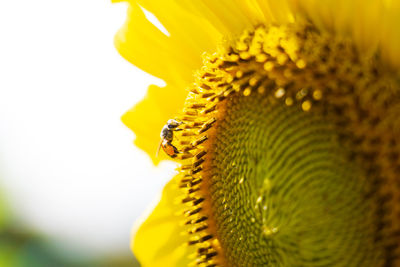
159, 241
226, 14
231, 17
148, 117
390, 33
141, 43
189, 33
172, 58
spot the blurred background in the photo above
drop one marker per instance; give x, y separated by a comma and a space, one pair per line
71, 182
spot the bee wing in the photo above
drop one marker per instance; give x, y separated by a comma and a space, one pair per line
158, 148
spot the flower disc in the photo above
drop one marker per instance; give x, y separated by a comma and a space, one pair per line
290, 154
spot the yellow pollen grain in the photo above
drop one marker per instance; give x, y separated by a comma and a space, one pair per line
229, 78
301, 94
234, 57
306, 105
253, 81
317, 95
282, 58
239, 74
242, 46
289, 101
268, 66
236, 87
301, 64
280, 93
261, 58
247, 92
268, 231
245, 55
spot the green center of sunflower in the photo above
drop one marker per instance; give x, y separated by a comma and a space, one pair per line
290, 154
285, 193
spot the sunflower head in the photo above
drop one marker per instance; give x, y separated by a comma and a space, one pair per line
288, 137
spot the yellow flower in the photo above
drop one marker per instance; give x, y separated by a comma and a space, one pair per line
289, 145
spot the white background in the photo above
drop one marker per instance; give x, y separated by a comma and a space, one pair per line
67, 163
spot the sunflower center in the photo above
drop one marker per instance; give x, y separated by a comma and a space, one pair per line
290, 154
284, 191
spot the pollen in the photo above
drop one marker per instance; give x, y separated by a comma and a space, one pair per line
306, 105
279, 93
290, 154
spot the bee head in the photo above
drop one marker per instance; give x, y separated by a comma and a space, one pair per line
173, 123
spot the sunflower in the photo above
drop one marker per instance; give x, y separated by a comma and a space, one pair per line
288, 143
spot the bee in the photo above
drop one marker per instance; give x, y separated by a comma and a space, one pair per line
167, 135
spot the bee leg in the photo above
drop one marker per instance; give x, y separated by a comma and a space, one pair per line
176, 151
